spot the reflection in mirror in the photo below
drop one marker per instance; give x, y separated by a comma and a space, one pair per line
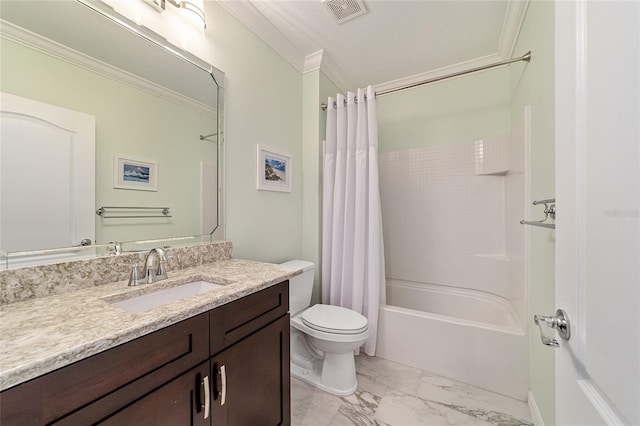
138, 103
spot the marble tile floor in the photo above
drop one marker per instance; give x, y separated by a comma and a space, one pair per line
396, 395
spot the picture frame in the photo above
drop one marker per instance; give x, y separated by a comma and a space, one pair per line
133, 174
274, 170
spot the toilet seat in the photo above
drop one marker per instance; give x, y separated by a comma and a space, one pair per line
334, 319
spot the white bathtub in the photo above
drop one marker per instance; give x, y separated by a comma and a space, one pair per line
466, 335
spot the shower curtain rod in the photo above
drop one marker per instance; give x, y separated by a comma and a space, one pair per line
526, 58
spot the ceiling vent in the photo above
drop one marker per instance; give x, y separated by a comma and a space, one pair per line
345, 10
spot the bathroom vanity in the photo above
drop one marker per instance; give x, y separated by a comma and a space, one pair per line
226, 362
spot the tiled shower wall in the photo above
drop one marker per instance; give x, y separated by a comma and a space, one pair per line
451, 215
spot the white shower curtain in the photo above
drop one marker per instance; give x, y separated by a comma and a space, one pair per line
352, 248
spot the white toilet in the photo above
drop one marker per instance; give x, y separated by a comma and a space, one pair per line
323, 337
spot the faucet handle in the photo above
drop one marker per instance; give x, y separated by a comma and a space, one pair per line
134, 276
161, 271
161, 274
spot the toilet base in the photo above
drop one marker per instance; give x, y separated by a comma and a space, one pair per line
325, 360
314, 378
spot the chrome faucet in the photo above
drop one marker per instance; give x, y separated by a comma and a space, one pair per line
151, 272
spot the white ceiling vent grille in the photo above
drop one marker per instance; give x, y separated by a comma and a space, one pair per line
345, 10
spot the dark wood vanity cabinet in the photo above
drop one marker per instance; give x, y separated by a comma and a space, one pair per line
240, 349
251, 387
250, 364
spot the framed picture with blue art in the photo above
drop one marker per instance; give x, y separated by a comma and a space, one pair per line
274, 170
134, 174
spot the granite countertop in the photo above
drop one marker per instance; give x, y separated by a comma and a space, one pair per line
43, 334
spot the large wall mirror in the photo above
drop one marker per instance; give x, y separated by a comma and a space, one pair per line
150, 114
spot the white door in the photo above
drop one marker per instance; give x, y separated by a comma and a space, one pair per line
47, 175
598, 219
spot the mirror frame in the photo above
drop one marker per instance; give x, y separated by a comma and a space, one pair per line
111, 248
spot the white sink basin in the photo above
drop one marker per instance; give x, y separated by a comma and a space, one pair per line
162, 297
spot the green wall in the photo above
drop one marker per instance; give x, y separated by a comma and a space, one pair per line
264, 106
451, 111
533, 84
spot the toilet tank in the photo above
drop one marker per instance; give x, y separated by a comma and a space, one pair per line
300, 286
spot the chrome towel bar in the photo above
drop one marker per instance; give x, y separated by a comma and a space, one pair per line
133, 212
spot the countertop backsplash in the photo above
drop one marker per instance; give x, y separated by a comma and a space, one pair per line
46, 280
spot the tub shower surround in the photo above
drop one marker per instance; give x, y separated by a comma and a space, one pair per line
454, 254
46, 280
451, 216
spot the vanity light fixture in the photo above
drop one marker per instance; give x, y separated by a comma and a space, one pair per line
195, 7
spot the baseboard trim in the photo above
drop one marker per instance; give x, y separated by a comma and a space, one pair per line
535, 412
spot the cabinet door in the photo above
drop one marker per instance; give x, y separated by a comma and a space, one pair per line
180, 402
251, 379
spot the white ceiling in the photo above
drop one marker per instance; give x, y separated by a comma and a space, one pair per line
397, 42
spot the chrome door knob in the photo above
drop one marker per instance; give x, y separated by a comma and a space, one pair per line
558, 322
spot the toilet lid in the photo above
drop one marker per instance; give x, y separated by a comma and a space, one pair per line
334, 319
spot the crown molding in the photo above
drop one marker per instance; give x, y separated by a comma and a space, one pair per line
313, 61
41, 44
255, 22
513, 20
321, 60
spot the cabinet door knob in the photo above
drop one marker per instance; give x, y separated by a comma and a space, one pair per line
207, 396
